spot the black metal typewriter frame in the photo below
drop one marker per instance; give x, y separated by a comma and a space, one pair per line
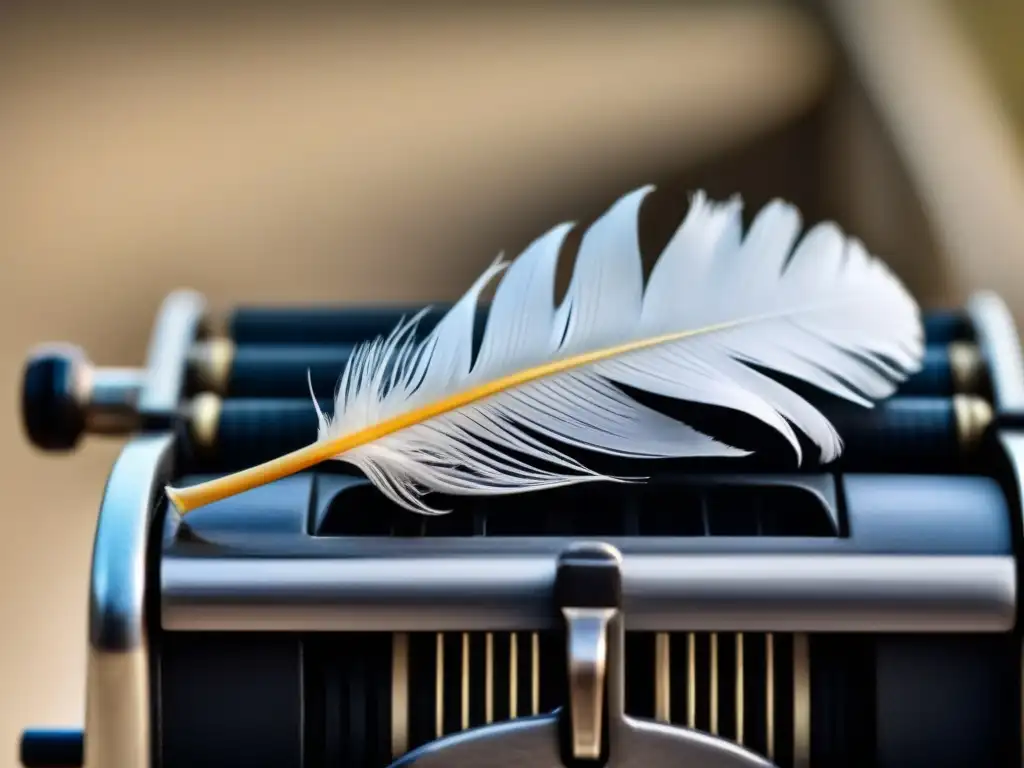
125, 607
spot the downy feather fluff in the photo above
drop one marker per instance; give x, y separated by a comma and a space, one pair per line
424, 415
717, 303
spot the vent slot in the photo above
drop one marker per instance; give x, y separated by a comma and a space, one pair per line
684, 507
372, 698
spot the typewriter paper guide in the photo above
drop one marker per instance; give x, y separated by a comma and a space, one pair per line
533, 743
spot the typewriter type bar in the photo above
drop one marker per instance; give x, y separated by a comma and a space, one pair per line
345, 325
281, 370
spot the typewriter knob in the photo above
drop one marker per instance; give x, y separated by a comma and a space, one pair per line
49, 748
64, 395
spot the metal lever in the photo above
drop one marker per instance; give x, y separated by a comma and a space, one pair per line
592, 729
588, 658
588, 593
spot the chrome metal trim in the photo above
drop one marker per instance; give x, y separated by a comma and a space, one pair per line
536, 741
1000, 347
801, 702
744, 592
109, 399
177, 327
587, 662
1012, 443
399, 694
117, 720
120, 401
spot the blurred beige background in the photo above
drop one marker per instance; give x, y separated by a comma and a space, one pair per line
389, 155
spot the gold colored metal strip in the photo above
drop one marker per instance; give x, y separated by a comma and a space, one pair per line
691, 680
739, 688
489, 677
535, 673
801, 702
399, 694
465, 680
713, 704
210, 364
769, 694
439, 688
966, 367
513, 676
973, 416
663, 677
204, 418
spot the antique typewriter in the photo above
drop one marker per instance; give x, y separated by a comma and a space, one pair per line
854, 615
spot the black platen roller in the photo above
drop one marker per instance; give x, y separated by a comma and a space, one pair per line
279, 370
901, 434
337, 325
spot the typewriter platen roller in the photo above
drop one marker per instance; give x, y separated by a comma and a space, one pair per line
739, 614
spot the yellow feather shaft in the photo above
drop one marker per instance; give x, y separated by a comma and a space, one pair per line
195, 496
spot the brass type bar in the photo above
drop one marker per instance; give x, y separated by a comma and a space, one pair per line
801, 702
663, 679
399, 694
439, 687
739, 688
465, 680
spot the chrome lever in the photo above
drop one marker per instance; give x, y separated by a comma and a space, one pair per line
588, 593
592, 729
588, 659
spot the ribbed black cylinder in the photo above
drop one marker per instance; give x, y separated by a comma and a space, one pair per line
900, 434
341, 325
282, 370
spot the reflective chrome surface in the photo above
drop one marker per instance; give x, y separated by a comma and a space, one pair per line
1012, 443
176, 329
587, 647
118, 697
112, 403
118, 727
534, 742
1000, 347
662, 593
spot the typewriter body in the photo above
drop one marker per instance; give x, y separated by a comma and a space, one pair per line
858, 614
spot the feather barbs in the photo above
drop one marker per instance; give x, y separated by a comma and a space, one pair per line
717, 310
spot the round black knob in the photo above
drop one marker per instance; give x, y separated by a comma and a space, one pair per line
52, 410
52, 748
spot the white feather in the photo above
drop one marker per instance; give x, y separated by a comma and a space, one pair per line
819, 308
